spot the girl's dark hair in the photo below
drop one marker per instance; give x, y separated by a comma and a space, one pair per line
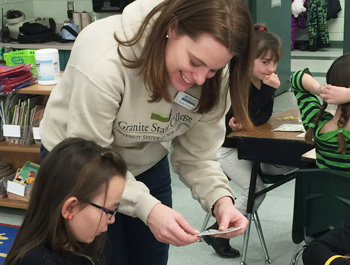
229, 21
266, 41
337, 75
75, 167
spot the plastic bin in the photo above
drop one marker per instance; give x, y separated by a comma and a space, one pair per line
25, 139
21, 57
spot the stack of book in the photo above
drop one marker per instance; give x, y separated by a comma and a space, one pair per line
19, 113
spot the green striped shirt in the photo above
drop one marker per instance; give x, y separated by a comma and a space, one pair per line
326, 143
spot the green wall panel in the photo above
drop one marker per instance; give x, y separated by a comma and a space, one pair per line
346, 42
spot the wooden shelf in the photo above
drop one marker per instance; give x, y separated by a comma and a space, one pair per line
36, 89
6, 202
35, 46
31, 148
17, 154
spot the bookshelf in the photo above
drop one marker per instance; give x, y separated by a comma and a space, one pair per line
18, 155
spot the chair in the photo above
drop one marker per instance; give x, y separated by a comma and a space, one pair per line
275, 181
321, 202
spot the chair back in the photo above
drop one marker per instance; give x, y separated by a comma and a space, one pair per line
321, 202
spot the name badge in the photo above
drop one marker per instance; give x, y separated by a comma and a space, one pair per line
186, 100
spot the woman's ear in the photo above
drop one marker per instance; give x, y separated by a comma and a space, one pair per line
172, 30
67, 210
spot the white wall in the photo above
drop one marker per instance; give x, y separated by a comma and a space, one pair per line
26, 6
336, 26
57, 9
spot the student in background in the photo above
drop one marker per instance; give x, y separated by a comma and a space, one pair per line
330, 133
264, 83
74, 198
158, 75
331, 248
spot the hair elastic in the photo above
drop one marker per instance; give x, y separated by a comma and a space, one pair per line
340, 130
261, 29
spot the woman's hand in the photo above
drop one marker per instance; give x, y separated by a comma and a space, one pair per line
169, 226
234, 126
228, 216
335, 94
272, 80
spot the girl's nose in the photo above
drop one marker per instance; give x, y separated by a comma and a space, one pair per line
271, 68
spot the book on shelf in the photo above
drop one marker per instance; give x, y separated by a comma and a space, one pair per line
27, 173
23, 111
20, 187
19, 109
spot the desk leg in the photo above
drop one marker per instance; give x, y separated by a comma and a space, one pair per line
261, 236
250, 204
251, 195
246, 239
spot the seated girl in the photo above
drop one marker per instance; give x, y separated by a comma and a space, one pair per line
74, 198
330, 133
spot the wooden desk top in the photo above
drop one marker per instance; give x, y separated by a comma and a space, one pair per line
266, 130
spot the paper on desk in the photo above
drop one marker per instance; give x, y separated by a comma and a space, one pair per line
290, 128
214, 231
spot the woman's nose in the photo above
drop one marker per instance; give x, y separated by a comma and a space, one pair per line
200, 76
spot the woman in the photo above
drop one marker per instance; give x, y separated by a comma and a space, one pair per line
146, 79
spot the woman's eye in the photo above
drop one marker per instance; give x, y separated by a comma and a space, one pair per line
193, 64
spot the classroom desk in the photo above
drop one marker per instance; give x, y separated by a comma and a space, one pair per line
263, 145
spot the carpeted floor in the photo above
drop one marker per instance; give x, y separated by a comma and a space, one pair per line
7, 235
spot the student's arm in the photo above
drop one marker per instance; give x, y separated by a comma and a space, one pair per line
327, 247
311, 84
308, 101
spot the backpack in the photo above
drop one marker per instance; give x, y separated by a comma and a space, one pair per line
35, 33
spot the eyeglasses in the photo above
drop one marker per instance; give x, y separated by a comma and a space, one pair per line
107, 211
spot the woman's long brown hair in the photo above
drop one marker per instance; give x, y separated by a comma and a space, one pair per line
229, 21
